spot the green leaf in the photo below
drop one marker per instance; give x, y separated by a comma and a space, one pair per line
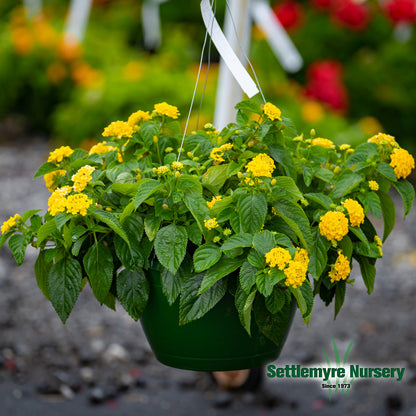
345, 183
297, 293
296, 219
170, 246
193, 306
146, 189
148, 130
194, 233
42, 269
249, 107
360, 234
110, 301
318, 257
321, 199
281, 155
244, 304
389, 213
98, 264
29, 214
361, 153
151, 226
109, 219
61, 219
64, 286
18, 245
47, 167
371, 250
46, 230
189, 184
307, 293
130, 256
407, 192
172, 284
253, 211
128, 209
371, 203
339, 296
264, 284
287, 183
221, 269
247, 276
199, 210
263, 242
282, 240
324, 174
214, 178
133, 292
387, 171
76, 247
368, 273
128, 189
276, 301
256, 259
238, 240
206, 256
307, 174
346, 246
4, 237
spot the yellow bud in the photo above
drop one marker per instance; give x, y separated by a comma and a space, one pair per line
138, 176
99, 206
239, 175
251, 143
337, 169
313, 132
190, 154
273, 182
195, 159
154, 170
108, 209
216, 239
155, 139
165, 206
177, 174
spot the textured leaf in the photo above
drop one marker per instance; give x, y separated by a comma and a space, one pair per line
368, 273
98, 264
321, 199
109, 219
199, 210
361, 153
47, 167
339, 296
389, 213
387, 171
215, 177
206, 256
172, 284
253, 211
42, 269
247, 276
146, 189
345, 183
133, 292
276, 301
287, 183
64, 286
29, 214
281, 155
170, 246
264, 242
238, 240
318, 257
194, 233
18, 245
407, 192
371, 202
46, 230
256, 259
264, 284
244, 304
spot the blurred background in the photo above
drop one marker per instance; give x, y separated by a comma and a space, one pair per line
358, 78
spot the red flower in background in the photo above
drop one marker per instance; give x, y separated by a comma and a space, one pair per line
401, 10
351, 13
324, 83
289, 13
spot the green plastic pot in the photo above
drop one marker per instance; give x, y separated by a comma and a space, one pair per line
215, 342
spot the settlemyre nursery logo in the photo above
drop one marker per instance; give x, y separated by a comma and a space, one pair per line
336, 376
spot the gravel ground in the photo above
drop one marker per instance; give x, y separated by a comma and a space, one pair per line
99, 363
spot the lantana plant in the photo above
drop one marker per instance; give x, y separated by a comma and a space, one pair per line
255, 210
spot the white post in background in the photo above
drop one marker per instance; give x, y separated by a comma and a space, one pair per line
152, 32
32, 8
229, 92
77, 20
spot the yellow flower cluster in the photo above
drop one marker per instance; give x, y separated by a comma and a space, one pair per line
295, 273
177, 165
82, 178
344, 147
165, 109
118, 129
101, 148
137, 117
333, 225
161, 170
379, 244
341, 269
10, 223
319, 141
211, 223
261, 165
272, 112
355, 212
58, 154
218, 152
213, 201
373, 185
279, 257
402, 162
57, 201
52, 177
78, 204
382, 138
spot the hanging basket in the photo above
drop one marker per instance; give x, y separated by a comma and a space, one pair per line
215, 342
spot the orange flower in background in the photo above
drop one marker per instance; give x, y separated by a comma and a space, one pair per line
312, 111
22, 40
56, 72
45, 34
133, 71
86, 76
69, 49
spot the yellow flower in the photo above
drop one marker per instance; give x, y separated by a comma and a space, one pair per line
58, 154
261, 165
226, 146
333, 225
370, 125
319, 141
295, 273
383, 139
312, 111
57, 201
279, 257
177, 165
213, 201
78, 204
301, 255
137, 117
118, 129
165, 109
355, 212
373, 185
216, 154
82, 178
211, 223
402, 162
10, 223
101, 148
378, 241
341, 269
349, 151
272, 112
52, 177
344, 147
161, 170
227, 232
